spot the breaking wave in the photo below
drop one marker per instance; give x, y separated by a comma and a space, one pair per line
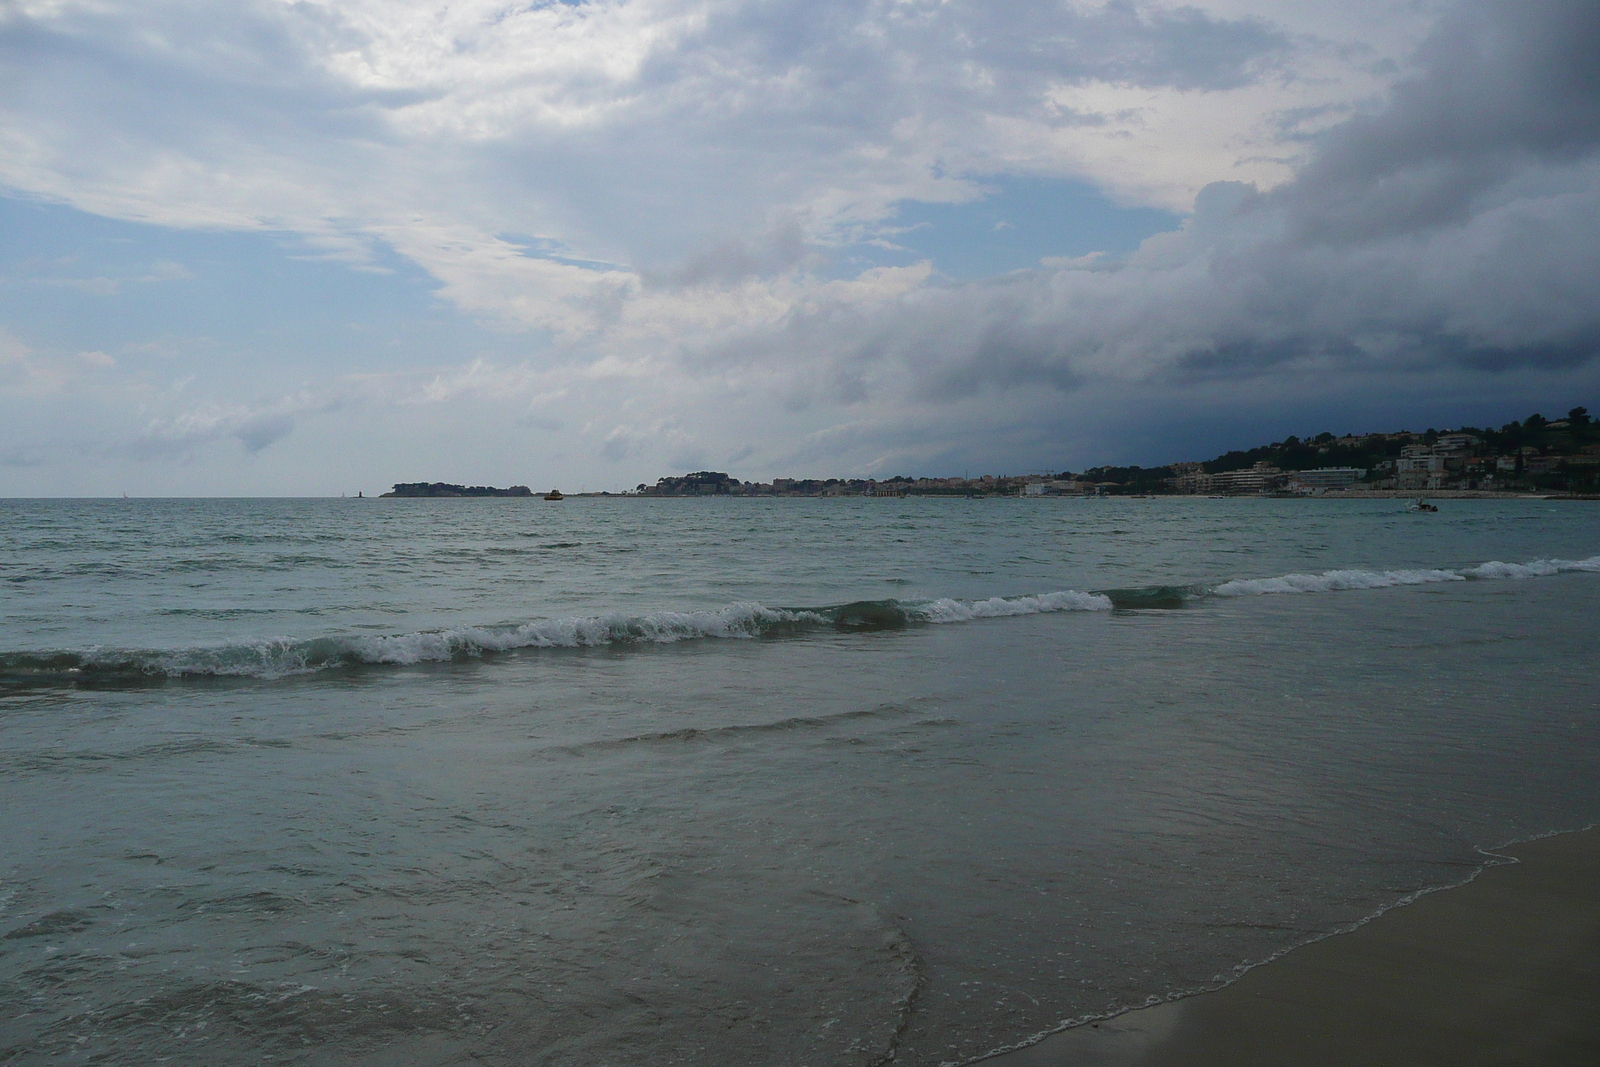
1334, 581
1539, 568
1176, 596
281, 657
1000, 607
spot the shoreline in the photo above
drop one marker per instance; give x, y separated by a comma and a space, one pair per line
1335, 494
1332, 494
1501, 969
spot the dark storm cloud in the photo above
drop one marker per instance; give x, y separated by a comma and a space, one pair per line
1503, 85
1458, 227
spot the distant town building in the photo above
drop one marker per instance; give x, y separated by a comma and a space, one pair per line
1249, 480
1541, 464
1328, 477
1412, 480
1419, 458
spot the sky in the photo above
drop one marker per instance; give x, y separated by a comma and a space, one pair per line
315, 247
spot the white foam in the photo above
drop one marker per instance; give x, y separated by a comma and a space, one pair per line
948, 610
1333, 581
741, 620
1539, 568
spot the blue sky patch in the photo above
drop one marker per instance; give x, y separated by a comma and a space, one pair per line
72, 281
1013, 227
1019, 222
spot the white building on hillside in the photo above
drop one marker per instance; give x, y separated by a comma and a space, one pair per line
1328, 477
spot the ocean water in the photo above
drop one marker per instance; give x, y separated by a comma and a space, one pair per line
767, 782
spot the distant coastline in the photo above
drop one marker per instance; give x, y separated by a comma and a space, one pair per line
1533, 457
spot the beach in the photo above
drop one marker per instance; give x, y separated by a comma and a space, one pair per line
1502, 970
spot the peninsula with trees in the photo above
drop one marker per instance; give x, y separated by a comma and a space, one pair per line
447, 489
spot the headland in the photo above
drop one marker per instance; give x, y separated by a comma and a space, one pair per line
447, 489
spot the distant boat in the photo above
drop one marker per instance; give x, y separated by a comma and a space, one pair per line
1422, 505
554, 494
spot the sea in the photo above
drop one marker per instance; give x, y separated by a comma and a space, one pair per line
726, 781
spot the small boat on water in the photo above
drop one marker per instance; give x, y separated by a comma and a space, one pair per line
1422, 505
554, 494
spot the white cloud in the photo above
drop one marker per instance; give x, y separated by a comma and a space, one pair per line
639, 133
60, 275
26, 373
253, 427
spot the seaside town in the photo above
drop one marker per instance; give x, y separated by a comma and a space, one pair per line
1533, 456
1536, 455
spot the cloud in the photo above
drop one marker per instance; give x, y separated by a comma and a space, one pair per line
623, 442
658, 202
23, 456
100, 285
1504, 87
254, 427
26, 373
657, 134
1391, 252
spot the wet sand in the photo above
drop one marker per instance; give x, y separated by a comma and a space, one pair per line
1504, 970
